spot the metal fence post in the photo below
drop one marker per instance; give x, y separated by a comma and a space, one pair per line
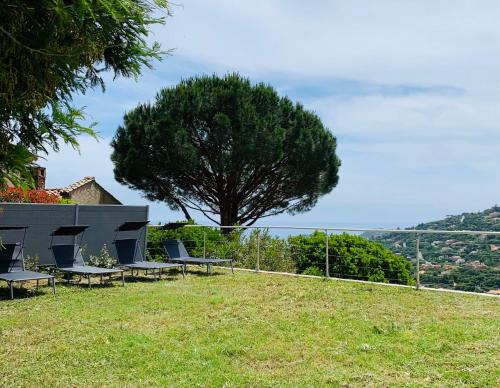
327, 270
257, 266
204, 244
418, 262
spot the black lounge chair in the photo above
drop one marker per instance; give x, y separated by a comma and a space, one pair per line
68, 257
130, 255
12, 263
177, 252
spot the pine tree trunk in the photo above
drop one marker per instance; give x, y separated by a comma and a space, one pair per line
228, 216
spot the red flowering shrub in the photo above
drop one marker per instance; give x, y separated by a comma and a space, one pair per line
19, 195
12, 194
41, 196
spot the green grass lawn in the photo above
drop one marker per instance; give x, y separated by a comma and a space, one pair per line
248, 330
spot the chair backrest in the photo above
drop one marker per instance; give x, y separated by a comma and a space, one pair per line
67, 255
127, 251
11, 257
175, 249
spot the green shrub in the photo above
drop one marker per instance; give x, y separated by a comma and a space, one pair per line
67, 201
274, 256
274, 253
313, 270
31, 263
191, 237
350, 257
308, 251
104, 260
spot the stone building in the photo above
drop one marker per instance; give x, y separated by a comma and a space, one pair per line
86, 192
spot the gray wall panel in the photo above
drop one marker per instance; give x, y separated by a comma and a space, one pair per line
104, 219
44, 218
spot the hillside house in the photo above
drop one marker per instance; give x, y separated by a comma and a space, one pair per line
476, 264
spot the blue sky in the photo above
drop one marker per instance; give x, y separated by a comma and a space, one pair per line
411, 90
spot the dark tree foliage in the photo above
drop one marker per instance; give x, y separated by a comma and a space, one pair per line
465, 278
226, 148
51, 49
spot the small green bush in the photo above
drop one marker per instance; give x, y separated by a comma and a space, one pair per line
31, 263
67, 201
104, 260
274, 253
313, 270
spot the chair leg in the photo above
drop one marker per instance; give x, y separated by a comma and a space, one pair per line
54, 285
123, 278
11, 290
232, 267
90, 284
183, 271
37, 284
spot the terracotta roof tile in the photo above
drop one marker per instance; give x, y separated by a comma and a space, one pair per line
73, 186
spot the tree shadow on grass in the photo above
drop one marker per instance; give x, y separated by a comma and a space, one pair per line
21, 292
150, 279
170, 276
202, 272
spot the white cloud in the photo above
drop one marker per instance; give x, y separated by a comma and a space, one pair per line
411, 90
415, 116
388, 41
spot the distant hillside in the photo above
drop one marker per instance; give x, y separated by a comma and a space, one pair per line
486, 220
463, 262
